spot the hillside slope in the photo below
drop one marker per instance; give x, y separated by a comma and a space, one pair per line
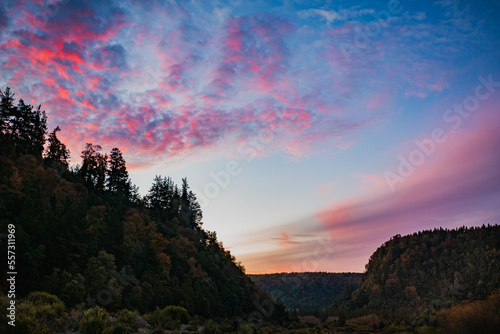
308, 291
414, 277
84, 235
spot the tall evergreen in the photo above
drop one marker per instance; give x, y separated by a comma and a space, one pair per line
22, 125
56, 152
118, 179
6, 110
94, 167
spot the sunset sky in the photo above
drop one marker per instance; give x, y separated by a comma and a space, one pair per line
311, 131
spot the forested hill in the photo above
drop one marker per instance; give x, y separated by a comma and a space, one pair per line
85, 235
412, 278
308, 291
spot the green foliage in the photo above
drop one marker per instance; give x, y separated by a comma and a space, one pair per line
170, 317
126, 322
247, 329
178, 313
211, 327
95, 321
40, 312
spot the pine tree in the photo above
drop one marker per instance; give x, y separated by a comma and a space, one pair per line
94, 167
118, 179
161, 193
6, 110
190, 208
56, 151
28, 129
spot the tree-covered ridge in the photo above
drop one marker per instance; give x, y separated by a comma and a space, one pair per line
413, 278
85, 235
308, 291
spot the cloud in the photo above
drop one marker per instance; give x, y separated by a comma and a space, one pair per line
331, 15
174, 80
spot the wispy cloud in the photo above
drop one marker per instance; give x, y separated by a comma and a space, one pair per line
332, 15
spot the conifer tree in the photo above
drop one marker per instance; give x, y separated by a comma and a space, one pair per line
94, 167
118, 179
6, 109
56, 151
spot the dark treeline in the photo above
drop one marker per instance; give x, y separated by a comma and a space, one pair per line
85, 235
308, 292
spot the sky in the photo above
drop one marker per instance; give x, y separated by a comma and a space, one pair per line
311, 131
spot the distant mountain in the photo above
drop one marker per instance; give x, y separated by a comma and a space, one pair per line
413, 278
308, 291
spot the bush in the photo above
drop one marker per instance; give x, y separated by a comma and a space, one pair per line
370, 320
171, 317
309, 319
247, 329
211, 327
226, 326
95, 321
478, 317
40, 312
127, 319
178, 313
126, 322
194, 323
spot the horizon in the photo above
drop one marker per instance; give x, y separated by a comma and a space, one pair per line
311, 133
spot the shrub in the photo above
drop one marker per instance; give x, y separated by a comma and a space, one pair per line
194, 323
170, 317
247, 329
226, 326
309, 319
127, 319
211, 327
40, 312
178, 313
370, 320
478, 317
126, 322
95, 321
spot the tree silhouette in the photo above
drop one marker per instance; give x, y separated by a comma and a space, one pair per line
6, 110
94, 167
22, 125
118, 179
161, 193
190, 208
56, 152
